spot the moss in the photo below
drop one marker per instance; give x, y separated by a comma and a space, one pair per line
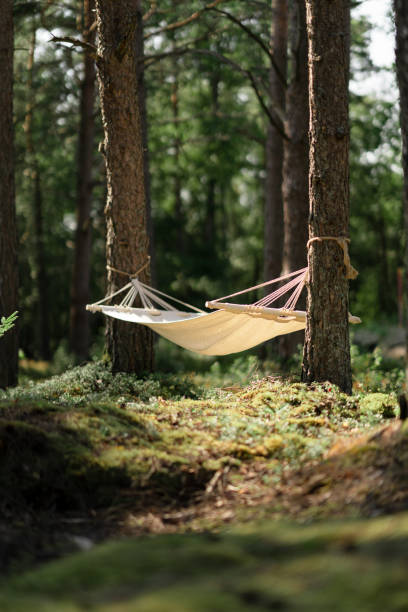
353, 565
374, 404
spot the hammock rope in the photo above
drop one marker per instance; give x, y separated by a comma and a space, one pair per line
231, 328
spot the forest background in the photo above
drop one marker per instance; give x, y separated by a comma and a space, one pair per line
207, 144
93, 454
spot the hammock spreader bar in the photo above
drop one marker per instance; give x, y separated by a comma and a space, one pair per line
230, 329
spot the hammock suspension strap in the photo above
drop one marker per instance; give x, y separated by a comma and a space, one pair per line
343, 242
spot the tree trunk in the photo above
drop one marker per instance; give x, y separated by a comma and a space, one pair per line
127, 241
8, 231
327, 350
42, 331
273, 229
79, 317
296, 160
401, 56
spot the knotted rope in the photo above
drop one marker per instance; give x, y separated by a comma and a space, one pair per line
135, 275
343, 242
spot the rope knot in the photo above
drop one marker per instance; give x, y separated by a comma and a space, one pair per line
343, 242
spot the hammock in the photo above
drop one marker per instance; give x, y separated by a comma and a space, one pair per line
231, 329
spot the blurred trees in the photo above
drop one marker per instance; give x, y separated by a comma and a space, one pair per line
208, 103
401, 56
81, 273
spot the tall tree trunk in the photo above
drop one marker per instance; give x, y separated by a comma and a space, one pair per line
327, 350
79, 317
401, 56
273, 229
296, 160
42, 331
127, 241
8, 231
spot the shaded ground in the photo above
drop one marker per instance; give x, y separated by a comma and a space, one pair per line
86, 457
355, 565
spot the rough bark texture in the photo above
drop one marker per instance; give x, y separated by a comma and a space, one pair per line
127, 242
327, 350
296, 160
401, 56
273, 230
8, 232
79, 317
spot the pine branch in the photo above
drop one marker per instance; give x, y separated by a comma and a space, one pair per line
183, 22
151, 11
254, 37
75, 42
277, 123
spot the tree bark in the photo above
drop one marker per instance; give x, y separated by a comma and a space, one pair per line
127, 240
79, 317
327, 350
296, 160
401, 57
8, 230
273, 229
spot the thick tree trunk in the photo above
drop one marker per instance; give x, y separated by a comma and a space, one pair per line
273, 229
79, 317
401, 56
296, 160
8, 231
327, 350
127, 241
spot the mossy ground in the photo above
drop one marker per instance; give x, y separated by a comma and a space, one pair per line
87, 456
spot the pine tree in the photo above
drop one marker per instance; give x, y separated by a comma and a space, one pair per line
327, 351
8, 232
127, 242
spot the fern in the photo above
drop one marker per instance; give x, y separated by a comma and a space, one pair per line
7, 323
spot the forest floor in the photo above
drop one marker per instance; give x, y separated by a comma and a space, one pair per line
171, 494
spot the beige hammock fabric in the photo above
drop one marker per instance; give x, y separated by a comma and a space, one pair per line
231, 329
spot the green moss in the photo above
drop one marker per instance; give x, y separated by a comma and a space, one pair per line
376, 404
353, 565
101, 443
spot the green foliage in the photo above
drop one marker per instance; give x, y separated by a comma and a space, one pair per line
95, 381
207, 167
372, 372
7, 323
